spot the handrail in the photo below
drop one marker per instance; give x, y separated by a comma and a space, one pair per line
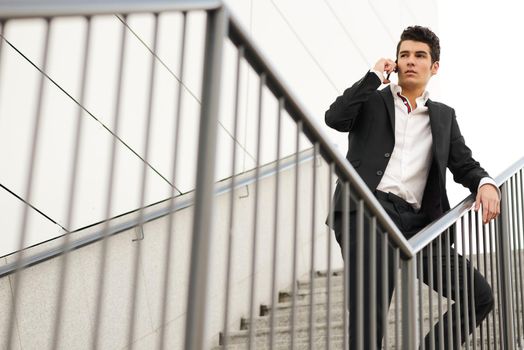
314, 132
433, 230
17, 9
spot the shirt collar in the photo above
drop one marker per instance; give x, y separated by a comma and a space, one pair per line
421, 100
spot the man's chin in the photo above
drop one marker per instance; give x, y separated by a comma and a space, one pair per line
409, 83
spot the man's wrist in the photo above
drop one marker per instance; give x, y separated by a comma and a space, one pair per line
489, 181
379, 74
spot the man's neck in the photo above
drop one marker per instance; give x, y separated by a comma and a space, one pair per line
412, 94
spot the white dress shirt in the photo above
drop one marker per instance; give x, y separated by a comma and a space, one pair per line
407, 170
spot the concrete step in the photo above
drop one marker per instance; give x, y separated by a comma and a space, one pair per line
319, 345
283, 336
283, 318
320, 298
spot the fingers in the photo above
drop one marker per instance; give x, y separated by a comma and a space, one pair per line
477, 202
385, 65
389, 66
490, 210
485, 212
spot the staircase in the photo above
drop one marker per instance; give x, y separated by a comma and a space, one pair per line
238, 340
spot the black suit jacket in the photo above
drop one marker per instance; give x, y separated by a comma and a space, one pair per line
368, 115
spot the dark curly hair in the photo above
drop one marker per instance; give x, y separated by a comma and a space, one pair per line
425, 35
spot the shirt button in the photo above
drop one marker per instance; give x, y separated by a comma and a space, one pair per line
379, 173
387, 155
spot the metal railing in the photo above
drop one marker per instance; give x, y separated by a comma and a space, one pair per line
493, 249
377, 241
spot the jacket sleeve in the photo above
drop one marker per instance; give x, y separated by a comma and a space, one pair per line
342, 113
466, 170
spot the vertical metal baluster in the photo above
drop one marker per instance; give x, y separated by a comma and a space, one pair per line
397, 297
329, 257
204, 197
449, 292
439, 289
421, 299
231, 224
494, 277
138, 252
520, 209
171, 217
458, 331
409, 324
274, 292
385, 291
17, 283
503, 229
373, 283
360, 275
471, 282
486, 252
429, 249
514, 252
109, 196
466, 329
295, 239
479, 267
2, 26
345, 248
313, 247
66, 246
499, 290
254, 249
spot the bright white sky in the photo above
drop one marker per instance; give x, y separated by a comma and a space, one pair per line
482, 44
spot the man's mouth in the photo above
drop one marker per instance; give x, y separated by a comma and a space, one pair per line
410, 71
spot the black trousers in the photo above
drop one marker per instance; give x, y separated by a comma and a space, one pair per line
409, 222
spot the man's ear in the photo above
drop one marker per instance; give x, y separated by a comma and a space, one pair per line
434, 67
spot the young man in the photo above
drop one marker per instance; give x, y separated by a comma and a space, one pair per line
400, 143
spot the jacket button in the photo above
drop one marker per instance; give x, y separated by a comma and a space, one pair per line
387, 155
379, 173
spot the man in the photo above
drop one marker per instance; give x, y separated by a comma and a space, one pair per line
400, 143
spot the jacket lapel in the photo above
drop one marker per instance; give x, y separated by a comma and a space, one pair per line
390, 106
435, 122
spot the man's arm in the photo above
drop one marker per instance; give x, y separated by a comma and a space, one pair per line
342, 113
468, 172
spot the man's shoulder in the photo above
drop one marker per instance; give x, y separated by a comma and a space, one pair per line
441, 106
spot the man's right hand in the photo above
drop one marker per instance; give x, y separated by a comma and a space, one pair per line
385, 65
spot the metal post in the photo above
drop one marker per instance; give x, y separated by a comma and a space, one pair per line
505, 271
409, 315
202, 219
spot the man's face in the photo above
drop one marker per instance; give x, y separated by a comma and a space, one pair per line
414, 64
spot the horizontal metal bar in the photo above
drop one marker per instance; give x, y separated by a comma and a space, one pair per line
124, 222
509, 172
11, 9
315, 133
430, 232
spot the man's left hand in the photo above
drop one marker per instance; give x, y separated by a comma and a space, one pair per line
488, 197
